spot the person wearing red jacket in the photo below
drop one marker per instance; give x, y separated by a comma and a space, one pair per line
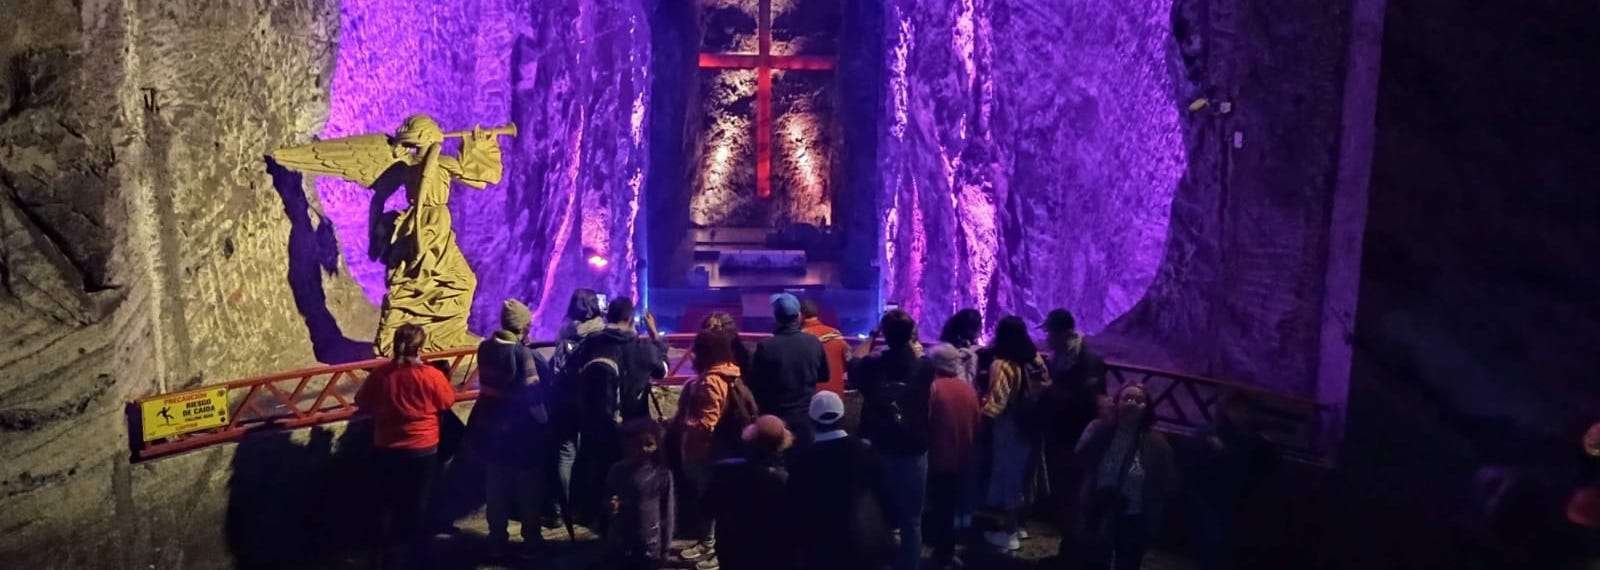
404, 399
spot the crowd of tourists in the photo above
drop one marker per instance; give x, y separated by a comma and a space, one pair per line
763, 465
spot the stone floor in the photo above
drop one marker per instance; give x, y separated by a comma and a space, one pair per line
467, 549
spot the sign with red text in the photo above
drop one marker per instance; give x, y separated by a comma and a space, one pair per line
182, 413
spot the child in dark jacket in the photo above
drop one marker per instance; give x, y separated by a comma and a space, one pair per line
642, 504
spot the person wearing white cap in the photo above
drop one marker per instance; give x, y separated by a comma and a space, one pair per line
835, 485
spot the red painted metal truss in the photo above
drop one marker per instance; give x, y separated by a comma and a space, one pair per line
326, 394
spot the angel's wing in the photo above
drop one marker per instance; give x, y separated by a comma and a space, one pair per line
359, 158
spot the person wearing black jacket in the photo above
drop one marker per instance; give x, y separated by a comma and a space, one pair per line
837, 492
1077, 387
894, 386
505, 428
786, 368
749, 497
610, 371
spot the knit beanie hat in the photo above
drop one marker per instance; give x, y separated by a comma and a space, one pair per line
514, 316
946, 360
769, 434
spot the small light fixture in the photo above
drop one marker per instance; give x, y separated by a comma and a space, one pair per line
598, 262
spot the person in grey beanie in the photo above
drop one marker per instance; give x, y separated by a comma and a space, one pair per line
504, 426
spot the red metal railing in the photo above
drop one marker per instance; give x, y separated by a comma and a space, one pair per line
289, 400
326, 394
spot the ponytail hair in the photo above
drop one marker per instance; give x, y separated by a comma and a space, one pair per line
408, 341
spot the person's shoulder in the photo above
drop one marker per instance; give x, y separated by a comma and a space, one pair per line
432, 373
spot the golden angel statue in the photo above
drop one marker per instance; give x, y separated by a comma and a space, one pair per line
429, 281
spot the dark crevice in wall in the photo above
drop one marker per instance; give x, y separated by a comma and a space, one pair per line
27, 481
157, 141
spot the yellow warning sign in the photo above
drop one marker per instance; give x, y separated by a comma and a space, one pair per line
184, 412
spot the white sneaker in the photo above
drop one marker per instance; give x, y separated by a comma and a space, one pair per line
1013, 543
1022, 534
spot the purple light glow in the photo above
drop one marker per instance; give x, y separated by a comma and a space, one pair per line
1027, 166
573, 74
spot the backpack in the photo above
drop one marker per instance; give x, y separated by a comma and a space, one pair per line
600, 380
1033, 409
895, 399
740, 409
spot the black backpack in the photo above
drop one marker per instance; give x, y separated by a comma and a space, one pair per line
899, 404
1032, 405
599, 380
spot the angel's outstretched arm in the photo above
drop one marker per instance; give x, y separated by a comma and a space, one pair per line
480, 160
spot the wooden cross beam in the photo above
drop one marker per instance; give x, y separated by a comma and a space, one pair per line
764, 62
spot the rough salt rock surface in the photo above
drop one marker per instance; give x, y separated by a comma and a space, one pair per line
144, 247
1030, 155
1240, 290
572, 74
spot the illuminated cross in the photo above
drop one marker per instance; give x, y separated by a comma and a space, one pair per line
764, 62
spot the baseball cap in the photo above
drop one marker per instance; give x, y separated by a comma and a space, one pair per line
826, 407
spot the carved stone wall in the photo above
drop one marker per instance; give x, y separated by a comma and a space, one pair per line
144, 247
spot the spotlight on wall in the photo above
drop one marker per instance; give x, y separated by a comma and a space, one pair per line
598, 262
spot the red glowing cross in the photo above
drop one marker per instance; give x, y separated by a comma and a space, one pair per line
764, 62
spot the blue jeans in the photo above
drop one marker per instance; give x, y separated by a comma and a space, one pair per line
905, 487
566, 457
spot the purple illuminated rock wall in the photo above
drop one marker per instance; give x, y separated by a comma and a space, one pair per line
573, 74
1244, 289
1043, 154
1030, 154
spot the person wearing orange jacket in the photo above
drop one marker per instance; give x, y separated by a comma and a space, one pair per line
833, 345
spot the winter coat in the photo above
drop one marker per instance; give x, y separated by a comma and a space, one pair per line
784, 373
630, 362
1077, 381
507, 417
836, 489
708, 429
894, 386
1103, 505
836, 349
749, 499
